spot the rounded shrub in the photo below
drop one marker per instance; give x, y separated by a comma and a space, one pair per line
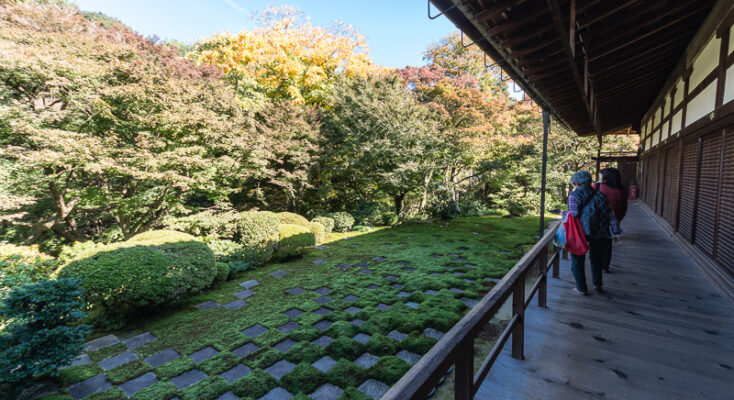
144, 271
294, 241
343, 222
222, 271
327, 222
258, 233
389, 218
293, 219
318, 231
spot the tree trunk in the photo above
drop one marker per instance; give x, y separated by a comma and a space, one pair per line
399, 203
424, 197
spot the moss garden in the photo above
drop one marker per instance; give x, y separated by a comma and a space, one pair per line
345, 321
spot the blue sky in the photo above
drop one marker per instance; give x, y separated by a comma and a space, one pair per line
397, 31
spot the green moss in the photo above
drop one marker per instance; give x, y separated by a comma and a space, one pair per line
304, 351
219, 363
418, 343
72, 375
342, 328
56, 396
107, 352
344, 347
345, 373
254, 385
265, 358
158, 391
352, 393
208, 389
175, 368
389, 369
127, 371
110, 394
380, 345
307, 333
303, 379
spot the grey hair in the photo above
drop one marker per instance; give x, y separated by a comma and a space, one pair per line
581, 178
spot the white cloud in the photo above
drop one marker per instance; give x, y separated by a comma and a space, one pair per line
237, 7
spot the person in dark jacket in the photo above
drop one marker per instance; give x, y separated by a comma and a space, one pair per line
599, 225
610, 184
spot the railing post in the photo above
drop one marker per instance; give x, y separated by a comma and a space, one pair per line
543, 286
464, 384
518, 308
557, 264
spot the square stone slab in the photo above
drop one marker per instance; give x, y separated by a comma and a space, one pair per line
323, 299
436, 255
430, 291
285, 345
403, 243
319, 261
228, 396
188, 379
277, 394
255, 330
367, 360
322, 325
373, 389
412, 304
323, 341
279, 369
454, 255
357, 322
399, 336
433, 334
403, 294
81, 359
249, 284
436, 274
470, 265
456, 290
391, 278
158, 359
403, 263
296, 291
343, 267
323, 290
327, 391
382, 306
235, 305
235, 373
245, 350
208, 305
116, 361
90, 386
469, 302
321, 247
323, 311
353, 310
324, 364
495, 280
132, 386
203, 354
379, 258
350, 298
361, 265
397, 286
461, 259
289, 326
278, 274
366, 272
353, 245
467, 280
361, 338
387, 244
373, 287
99, 343
243, 294
450, 267
458, 273
408, 357
408, 269
137, 341
293, 313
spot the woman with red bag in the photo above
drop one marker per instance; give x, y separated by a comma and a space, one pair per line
598, 223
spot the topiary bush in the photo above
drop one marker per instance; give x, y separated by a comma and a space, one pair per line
222, 272
327, 222
293, 219
40, 335
258, 232
23, 264
343, 222
318, 231
294, 241
144, 271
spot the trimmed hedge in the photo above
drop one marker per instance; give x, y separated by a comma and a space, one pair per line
150, 269
258, 233
294, 241
293, 219
318, 231
343, 222
327, 222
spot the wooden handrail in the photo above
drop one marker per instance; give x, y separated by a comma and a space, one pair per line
456, 347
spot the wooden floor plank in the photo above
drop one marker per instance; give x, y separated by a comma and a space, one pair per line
661, 331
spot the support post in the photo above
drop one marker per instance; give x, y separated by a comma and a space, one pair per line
464, 384
546, 129
518, 308
598, 158
543, 286
557, 264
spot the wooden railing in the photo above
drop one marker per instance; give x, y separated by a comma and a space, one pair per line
456, 347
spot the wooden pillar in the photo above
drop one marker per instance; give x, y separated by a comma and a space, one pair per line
557, 263
543, 276
464, 384
598, 158
518, 308
546, 129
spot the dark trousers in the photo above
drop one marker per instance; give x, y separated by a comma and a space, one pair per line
600, 251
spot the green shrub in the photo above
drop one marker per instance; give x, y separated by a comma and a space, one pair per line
39, 336
294, 241
147, 270
389, 218
258, 233
225, 250
318, 231
222, 272
22, 264
212, 223
292, 219
343, 222
327, 222
362, 228
367, 213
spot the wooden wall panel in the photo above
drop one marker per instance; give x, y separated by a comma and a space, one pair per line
660, 191
688, 190
670, 187
652, 181
725, 242
708, 190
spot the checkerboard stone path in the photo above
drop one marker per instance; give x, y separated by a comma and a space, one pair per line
296, 291
116, 361
245, 350
158, 359
99, 343
366, 360
279, 369
255, 330
293, 313
228, 396
235, 305
233, 374
208, 305
373, 388
278, 274
203, 354
322, 341
285, 345
249, 284
88, 387
324, 364
134, 385
188, 378
327, 391
277, 394
139, 340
